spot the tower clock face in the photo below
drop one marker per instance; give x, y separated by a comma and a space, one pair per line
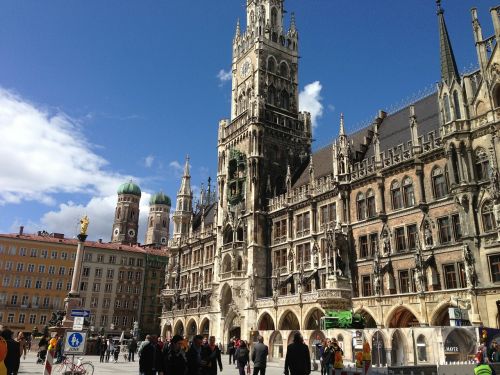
163, 240
131, 232
246, 68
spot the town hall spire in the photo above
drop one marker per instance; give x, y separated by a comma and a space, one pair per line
449, 69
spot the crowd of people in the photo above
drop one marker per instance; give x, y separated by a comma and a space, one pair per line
11, 352
326, 350
109, 350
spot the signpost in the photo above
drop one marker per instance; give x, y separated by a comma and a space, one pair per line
78, 323
74, 342
80, 313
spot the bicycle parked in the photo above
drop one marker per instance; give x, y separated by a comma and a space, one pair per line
67, 366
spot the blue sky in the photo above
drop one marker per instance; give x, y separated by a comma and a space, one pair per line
95, 92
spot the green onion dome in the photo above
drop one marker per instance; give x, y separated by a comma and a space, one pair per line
160, 198
129, 188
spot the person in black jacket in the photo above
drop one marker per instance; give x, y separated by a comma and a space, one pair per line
298, 360
13, 358
230, 349
259, 357
194, 360
174, 358
132, 348
211, 355
151, 359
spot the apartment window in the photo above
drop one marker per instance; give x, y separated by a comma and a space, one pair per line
130, 275
62, 271
100, 258
53, 255
13, 300
43, 319
41, 268
106, 303
86, 271
43, 254
373, 243
38, 284
404, 281
6, 281
444, 230
32, 318
131, 262
119, 288
399, 233
22, 251
129, 288
17, 282
363, 247
8, 266
138, 276
450, 276
136, 290
495, 267
366, 284
370, 204
87, 257
482, 165
303, 224
124, 261
94, 301
108, 288
98, 272
64, 256
328, 214
135, 304
10, 318
110, 274
104, 320
68, 286
112, 259
439, 184
27, 283
22, 318
48, 286
96, 287
33, 253
139, 262
411, 230
52, 270
457, 228
361, 206
118, 304
70, 271
397, 200
84, 285
280, 230
121, 275
408, 192
59, 285
488, 217
13, 250
25, 301
20, 267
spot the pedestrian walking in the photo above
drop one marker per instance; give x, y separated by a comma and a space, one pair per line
230, 350
103, 348
212, 356
116, 352
298, 360
23, 344
259, 357
174, 358
242, 357
151, 359
194, 360
132, 347
13, 357
42, 349
110, 349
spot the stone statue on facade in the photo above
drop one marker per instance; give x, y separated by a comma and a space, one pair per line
315, 252
377, 284
386, 243
419, 268
290, 261
470, 274
428, 234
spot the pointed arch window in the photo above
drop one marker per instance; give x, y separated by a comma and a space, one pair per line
421, 349
361, 206
271, 95
285, 100
482, 164
454, 164
284, 69
397, 199
271, 65
456, 104
439, 186
408, 192
274, 17
370, 204
447, 111
488, 217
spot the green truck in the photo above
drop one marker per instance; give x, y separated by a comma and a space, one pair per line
342, 319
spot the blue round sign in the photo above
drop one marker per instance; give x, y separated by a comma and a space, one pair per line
75, 339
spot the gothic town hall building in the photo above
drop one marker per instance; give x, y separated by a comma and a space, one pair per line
398, 222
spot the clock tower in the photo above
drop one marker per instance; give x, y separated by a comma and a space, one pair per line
266, 136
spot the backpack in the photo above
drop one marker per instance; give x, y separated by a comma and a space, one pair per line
243, 353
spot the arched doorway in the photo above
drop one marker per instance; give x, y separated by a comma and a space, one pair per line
378, 350
398, 349
166, 331
192, 329
460, 345
369, 319
179, 328
266, 323
289, 322
205, 327
276, 343
314, 319
402, 318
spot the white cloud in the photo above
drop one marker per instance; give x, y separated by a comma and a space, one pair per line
224, 76
310, 101
177, 167
148, 161
44, 154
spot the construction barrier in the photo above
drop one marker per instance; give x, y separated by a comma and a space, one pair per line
49, 361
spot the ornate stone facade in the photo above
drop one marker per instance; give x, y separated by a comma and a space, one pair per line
399, 221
